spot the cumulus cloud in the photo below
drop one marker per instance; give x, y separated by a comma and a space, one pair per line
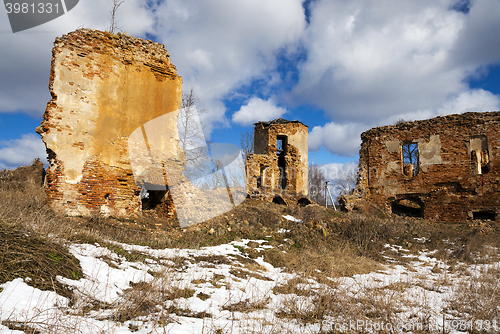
257, 110
26, 55
344, 139
19, 152
373, 60
365, 64
472, 100
477, 43
370, 64
469, 101
220, 46
336, 171
341, 139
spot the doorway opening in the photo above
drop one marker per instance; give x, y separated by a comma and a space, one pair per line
281, 144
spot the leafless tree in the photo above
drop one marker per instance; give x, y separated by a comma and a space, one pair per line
246, 142
191, 136
113, 21
410, 156
316, 183
346, 182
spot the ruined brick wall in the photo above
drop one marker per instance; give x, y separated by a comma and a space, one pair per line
104, 86
263, 167
456, 176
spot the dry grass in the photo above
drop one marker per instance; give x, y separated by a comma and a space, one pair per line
247, 306
28, 247
156, 299
324, 246
478, 296
39, 259
297, 286
323, 305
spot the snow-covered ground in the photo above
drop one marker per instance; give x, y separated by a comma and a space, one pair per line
230, 296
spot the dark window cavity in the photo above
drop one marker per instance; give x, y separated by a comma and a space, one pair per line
260, 179
281, 144
479, 155
483, 215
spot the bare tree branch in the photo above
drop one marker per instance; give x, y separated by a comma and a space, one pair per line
191, 136
316, 183
112, 24
346, 182
246, 142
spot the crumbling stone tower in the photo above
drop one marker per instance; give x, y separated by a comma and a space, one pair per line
278, 166
104, 86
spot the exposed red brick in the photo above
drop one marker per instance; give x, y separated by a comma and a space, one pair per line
448, 186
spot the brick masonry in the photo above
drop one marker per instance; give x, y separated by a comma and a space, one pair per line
457, 168
263, 167
104, 86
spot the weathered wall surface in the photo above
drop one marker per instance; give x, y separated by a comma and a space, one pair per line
103, 87
458, 169
262, 168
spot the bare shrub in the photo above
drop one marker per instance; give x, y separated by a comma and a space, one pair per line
155, 298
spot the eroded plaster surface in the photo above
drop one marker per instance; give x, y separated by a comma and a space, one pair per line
104, 86
263, 168
430, 152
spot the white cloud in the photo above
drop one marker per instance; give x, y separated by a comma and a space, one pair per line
26, 55
257, 110
221, 45
344, 139
341, 139
20, 152
367, 64
370, 64
472, 100
371, 60
336, 171
468, 101
478, 41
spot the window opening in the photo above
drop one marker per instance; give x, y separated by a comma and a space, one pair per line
483, 215
279, 200
153, 199
260, 179
480, 161
152, 196
410, 159
480, 158
281, 143
304, 201
409, 207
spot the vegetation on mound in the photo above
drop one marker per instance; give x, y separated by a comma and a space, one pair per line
35, 259
326, 243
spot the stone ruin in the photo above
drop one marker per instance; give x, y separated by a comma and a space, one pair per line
277, 171
442, 169
103, 87
111, 132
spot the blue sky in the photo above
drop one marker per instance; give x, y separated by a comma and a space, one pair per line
341, 67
